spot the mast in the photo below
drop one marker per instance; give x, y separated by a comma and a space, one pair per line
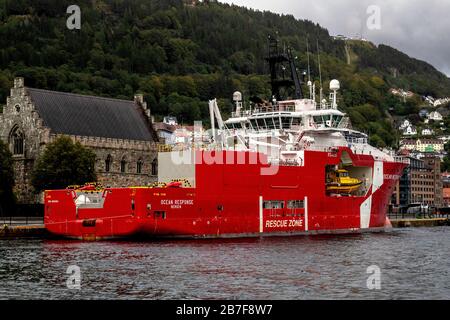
278, 63
320, 74
310, 84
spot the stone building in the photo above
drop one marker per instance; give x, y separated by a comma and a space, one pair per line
120, 133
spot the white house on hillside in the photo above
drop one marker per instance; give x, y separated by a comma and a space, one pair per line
410, 131
435, 116
405, 124
440, 102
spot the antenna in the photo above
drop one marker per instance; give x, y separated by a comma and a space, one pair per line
309, 70
320, 73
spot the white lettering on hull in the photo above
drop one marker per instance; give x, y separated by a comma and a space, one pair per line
284, 223
177, 204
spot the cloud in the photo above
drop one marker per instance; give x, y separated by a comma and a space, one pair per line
418, 28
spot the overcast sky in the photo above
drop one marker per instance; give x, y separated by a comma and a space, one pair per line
420, 28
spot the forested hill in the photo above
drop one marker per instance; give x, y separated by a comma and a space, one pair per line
181, 55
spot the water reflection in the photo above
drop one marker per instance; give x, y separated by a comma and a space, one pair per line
414, 265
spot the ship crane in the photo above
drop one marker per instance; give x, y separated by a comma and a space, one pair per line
215, 115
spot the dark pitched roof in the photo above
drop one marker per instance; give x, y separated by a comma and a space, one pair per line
74, 114
164, 127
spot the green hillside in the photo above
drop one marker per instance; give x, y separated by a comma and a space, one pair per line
180, 56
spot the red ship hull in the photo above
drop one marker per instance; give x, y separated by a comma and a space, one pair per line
235, 200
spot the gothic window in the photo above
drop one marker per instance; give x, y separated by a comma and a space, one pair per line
155, 167
17, 107
139, 166
123, 165
108, 163
17, 142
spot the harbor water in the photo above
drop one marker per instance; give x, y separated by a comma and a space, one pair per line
412, 264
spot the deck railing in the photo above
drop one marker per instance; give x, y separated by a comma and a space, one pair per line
21, 221
420, 215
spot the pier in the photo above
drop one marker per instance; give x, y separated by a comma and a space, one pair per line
22, 227
403, 220
417, 223
7, 232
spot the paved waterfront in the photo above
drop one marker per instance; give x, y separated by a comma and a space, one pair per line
414, 264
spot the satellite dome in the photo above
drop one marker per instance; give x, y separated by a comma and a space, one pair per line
237, 96
335, 85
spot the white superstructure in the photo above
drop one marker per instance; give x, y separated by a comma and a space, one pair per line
285, 129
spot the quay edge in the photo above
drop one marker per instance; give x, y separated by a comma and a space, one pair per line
417, 223
11, 232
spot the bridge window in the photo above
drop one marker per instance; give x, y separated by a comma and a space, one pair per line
296, 121
261, 124
337, 121
276, 122
328, 120
286, 122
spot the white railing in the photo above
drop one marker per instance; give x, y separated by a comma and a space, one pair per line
356, 141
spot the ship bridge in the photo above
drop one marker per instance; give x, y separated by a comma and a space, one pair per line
281, 119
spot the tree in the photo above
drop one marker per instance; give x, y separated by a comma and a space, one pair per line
447, 147
445, 167
64, 163
6, 179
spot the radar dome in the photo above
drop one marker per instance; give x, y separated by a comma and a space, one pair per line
237, 96
335, 85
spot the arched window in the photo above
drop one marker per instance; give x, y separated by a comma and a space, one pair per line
139, 166
108, 163
17, 141
123, 165
155, 167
